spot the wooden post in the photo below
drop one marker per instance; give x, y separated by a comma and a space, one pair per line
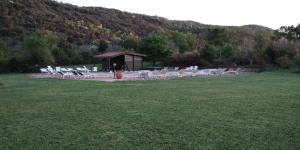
108, 64
133, 63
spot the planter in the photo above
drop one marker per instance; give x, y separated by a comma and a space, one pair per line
119, 74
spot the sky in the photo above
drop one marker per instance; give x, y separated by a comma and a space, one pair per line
269, 13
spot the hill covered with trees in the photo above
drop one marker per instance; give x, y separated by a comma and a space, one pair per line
84, 25
45, 32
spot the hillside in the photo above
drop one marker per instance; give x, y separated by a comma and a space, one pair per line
82, 25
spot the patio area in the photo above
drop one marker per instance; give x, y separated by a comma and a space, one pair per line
163, 74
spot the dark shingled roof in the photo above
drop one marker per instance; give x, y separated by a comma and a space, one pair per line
112, 54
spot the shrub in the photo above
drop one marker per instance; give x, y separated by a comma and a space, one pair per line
296, 61
39, 51
208, 53
155, 47
284, 62
184, 59
296, 64
61, 57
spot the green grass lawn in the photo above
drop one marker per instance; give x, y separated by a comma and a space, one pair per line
257, 111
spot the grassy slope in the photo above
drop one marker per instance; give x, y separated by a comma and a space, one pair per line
258, 111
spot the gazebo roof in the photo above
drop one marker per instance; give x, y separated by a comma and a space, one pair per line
111, 54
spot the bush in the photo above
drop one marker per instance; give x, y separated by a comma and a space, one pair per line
184, 60
296, 64
284, 62
208, 53
2, 52
39, 51
61, 57
296, 61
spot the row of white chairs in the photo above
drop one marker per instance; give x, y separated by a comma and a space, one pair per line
192, 71
83, 72
51, 70
191, 68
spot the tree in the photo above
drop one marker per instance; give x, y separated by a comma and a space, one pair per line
184, 41
262, 42
102, 46
39, 51
61, 56
130, 43
246, 51
227, 54
217, 36
2, 51
289, 32
155, 47
208, 53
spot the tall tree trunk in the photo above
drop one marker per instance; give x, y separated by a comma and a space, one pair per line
251, 61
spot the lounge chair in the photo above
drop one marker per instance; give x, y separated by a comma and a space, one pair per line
57, 69
163, 73
203, 72
44, 70
195, 68
95, 69
173, 74
144, 75
51, 70
64, 75
85, 75
86, 69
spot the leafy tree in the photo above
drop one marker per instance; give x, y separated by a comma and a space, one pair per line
102, 46
2, 51
130, 43
75, 57
61, 56
184, 41
155, 47
39, 51
217, 36
227, 54
289, 32
208, 53
262, 42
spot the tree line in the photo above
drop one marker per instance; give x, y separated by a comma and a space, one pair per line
222, 46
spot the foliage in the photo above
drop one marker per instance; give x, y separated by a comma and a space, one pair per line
184, 59
208, 53
130, 42
217, 36
289, 32
70, 28
102, 46
296, 61
155, 47
226, 54
2, 52
284, 61
39, 51
184, 41
61, 57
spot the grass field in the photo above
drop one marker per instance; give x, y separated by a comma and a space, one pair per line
257, 111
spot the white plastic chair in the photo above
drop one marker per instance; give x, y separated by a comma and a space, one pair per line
95, 69
57, 69
44, 70
51, 70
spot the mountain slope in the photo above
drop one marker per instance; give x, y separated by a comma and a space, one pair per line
82, 25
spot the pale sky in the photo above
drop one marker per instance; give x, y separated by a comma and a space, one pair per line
270, 13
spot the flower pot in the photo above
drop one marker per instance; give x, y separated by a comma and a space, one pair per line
119, 74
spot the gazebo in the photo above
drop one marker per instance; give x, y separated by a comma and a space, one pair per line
127, 60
